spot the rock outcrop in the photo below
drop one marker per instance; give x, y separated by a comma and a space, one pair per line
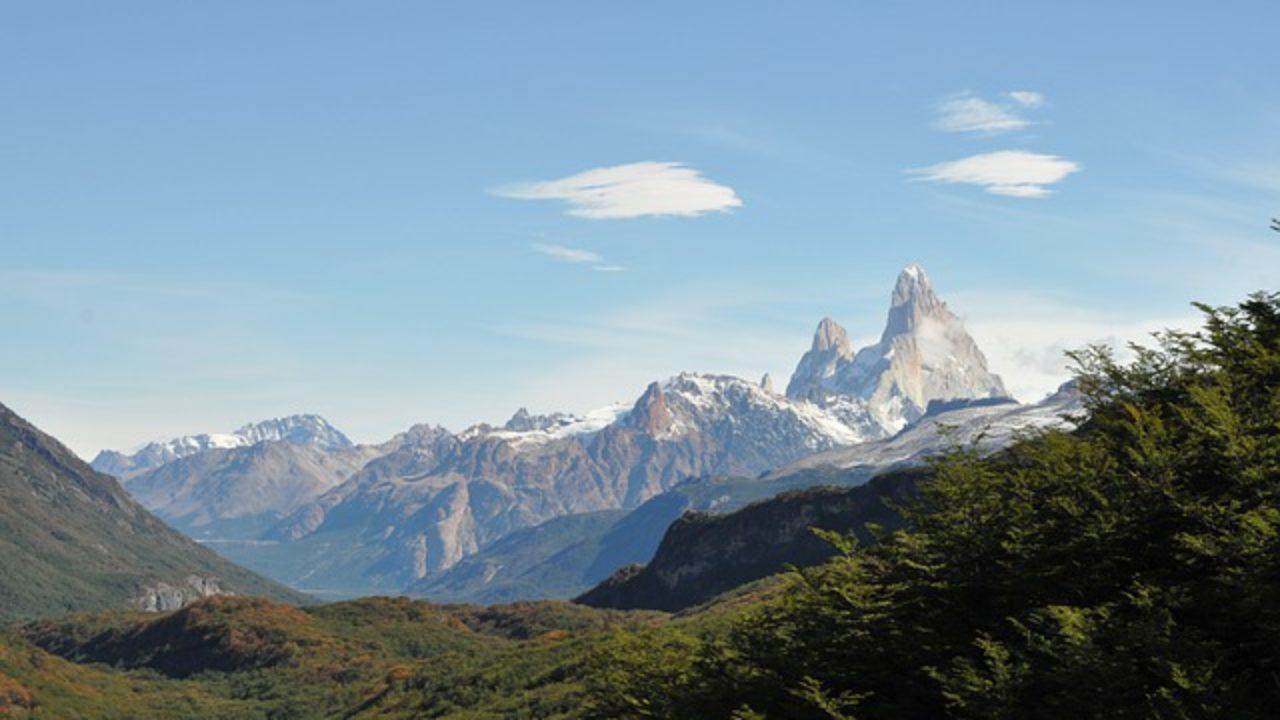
163, 597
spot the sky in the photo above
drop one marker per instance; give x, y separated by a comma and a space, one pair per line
401, 212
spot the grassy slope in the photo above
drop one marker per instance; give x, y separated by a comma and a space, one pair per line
71, 538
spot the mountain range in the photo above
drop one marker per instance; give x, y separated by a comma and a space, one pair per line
567, 556
310, 430
490, 512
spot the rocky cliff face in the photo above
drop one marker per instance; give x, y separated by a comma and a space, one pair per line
924, 354
163, 597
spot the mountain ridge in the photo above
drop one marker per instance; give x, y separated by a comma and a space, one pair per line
303, 429
73, 539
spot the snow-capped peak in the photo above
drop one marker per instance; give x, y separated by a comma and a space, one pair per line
731, 407
307, 429
295, 429
924, 354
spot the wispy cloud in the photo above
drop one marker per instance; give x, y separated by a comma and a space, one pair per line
1016, 173
630, 191
971, 114
577, 256
1027, 98
568, 254
1026, 334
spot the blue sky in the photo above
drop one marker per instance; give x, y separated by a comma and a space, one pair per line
214, 213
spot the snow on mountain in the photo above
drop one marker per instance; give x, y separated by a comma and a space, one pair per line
924, 354
524, 427
727, 405
991, 423
296, 429
310, 430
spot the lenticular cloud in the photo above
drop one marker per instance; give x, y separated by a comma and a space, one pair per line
1015, 173
630, 191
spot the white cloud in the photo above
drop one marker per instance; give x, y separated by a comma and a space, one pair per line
568, 254
1027, 98
1016, 173
577, 256
630, 191
1026, 335
970, 113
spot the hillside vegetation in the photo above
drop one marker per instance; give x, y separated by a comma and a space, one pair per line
228, 657
705, 554
72, 539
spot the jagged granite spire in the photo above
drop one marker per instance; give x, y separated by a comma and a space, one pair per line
766, 383
913, 301
830, 349
924, 354
830, 336
650, 413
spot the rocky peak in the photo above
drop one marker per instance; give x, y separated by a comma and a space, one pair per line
525, 421
830, 336
521, 421
924, 354
422, 433
766, 383
295, 429
913, 302
307, 429
830, 349
650, 413
913, 282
